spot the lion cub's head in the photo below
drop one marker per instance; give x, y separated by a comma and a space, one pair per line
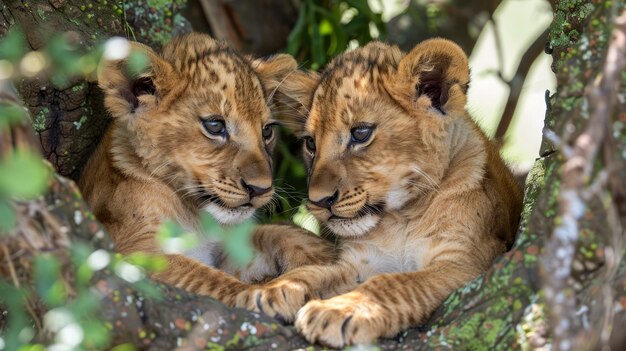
378, 132
197, 119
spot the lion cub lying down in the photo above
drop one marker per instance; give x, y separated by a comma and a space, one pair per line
191, 133
419, 197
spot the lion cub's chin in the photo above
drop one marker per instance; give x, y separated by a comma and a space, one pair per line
225, 215
353, 227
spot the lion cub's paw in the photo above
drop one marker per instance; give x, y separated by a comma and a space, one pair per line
278, 299
342, 320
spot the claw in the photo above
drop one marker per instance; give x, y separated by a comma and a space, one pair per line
344, 328
259, 305
282, 320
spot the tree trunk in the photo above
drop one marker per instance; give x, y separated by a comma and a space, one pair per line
506, 308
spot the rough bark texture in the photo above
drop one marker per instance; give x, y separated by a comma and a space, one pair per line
259, 27
69, 119
502, 310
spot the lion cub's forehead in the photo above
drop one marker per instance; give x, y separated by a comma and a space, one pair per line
217, 75
350, 81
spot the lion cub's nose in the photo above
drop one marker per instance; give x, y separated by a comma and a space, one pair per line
326, 202
254, 190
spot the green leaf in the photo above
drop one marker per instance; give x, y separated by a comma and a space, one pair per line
317, 43
64, 57
325, 27
294, 38
148, 289
10, 114
170, 229
13, 46
148, 262
48, 280
174, 239
124, 347
306, 220
96, 335
7, 217
209, 225
14, 300
23, 175
137, 62
84, 306
237, 243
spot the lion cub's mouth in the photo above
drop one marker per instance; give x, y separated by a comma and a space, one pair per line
358, 225
221, 212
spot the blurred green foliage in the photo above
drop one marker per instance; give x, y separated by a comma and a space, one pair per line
326, 28
72, 320
236, 239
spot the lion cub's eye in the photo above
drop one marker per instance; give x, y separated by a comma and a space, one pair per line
267, 132
361, 134
214, 126
309, 143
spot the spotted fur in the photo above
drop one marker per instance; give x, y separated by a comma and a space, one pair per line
157, 161
422, 207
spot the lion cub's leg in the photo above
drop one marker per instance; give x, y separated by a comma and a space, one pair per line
195, 277
281, 248
382, 306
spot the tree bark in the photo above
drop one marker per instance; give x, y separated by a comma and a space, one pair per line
503, 309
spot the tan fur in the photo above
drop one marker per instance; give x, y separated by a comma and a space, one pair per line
423, 207
157, 161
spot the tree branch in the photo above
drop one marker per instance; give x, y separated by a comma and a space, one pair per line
517, 82
576, 173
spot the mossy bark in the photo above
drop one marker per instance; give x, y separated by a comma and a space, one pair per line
503, 309
69, 117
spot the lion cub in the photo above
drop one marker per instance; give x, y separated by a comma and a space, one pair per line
419, 197
191, 133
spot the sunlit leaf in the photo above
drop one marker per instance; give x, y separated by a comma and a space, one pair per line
147, 262
23, 175
306, 220
124, 347
325, 27
7, 217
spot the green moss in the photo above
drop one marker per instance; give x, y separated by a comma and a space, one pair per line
41, 13
159, 3
562, 33
39, 122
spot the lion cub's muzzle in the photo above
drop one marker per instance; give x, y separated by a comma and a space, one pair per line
231, 203
348, 214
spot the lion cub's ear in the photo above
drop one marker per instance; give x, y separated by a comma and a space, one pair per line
273, 70
434, 75
127, 87
289, 88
